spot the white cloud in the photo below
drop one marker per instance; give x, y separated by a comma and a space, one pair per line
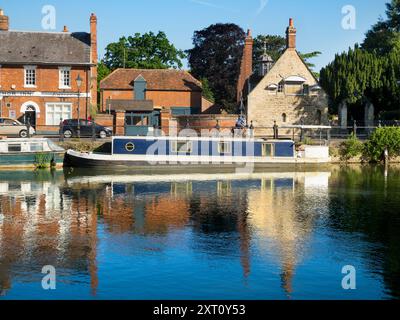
263, 4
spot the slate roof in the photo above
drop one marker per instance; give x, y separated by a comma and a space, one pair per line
20, 47
157, 80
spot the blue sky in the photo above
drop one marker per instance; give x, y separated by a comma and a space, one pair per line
319, 22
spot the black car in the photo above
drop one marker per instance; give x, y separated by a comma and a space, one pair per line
70, 129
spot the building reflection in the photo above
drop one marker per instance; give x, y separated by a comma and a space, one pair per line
56, 221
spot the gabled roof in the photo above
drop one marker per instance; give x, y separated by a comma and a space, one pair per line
156, 79
20, 47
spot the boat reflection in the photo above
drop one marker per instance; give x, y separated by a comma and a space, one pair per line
56, 219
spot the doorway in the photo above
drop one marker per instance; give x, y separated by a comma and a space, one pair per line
30, 116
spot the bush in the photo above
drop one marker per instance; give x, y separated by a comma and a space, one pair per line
351, 148
42, 161
387, 137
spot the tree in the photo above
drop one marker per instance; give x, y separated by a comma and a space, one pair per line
147, 51
207, 92
275, 46
216, 55
385, 34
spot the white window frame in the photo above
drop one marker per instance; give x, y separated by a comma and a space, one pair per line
188, 145
53, 104
26, 69
61, 79
264, 150
228, 146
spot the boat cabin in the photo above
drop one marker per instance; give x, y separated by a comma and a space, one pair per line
32, 145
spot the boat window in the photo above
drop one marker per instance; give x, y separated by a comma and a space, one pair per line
14, 148
268, 150
181, 147
130, 147
36, 147
224, 147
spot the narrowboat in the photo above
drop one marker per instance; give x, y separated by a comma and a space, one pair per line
30, 153
195, 152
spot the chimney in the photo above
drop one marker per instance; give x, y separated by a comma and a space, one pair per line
246, 68
93, 59
65, 29
4, 22
93, 37
291, 35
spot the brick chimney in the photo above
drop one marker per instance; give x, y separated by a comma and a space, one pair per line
291, 35
65, 29
246, 68
4, 22
94, 58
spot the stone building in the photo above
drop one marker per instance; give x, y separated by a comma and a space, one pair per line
286, 91
40, 73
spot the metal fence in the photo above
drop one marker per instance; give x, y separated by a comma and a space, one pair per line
296, 133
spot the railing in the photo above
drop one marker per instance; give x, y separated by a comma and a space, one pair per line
296, 133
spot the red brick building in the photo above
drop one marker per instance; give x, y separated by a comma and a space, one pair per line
141, 96
39, 73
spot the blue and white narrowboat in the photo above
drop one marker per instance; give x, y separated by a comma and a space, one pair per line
186, 152
30, 153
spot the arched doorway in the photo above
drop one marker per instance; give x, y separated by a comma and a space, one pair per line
30, 111
30, 116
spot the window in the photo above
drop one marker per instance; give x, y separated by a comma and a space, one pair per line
306, 89
284, 117
65, 78
267, 150
294, 89
57, 111
281, 87
224, 147
319, 117
36, 147
14, 148
30, 76
181, 147
130, 147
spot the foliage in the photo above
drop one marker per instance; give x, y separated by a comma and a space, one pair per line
275, 46
42, 160
351, 148
382, 138
216, 55
207, 92
102, 72
385, 34
146, 51
358, 74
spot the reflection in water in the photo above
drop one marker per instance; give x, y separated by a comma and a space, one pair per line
51, 219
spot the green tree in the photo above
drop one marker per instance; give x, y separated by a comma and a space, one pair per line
385, 34
275, 46
146, 51
207, 92
216, 55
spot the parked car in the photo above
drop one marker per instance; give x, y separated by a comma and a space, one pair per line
10, 127
70, 129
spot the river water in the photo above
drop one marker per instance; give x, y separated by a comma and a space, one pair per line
269, 235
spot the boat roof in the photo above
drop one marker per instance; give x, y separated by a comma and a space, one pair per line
221, 138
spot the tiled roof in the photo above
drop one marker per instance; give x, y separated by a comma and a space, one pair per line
157, 79
44, 47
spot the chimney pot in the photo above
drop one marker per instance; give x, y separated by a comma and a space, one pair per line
291, 23
65, 29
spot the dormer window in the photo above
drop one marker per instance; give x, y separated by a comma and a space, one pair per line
294, 85
30, 76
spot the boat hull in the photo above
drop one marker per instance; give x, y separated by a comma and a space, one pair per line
83, 160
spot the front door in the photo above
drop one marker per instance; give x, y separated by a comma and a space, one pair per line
30, 116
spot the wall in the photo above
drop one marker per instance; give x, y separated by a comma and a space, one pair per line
264, 108
47, 80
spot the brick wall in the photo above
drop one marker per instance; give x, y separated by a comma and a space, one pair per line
47, 80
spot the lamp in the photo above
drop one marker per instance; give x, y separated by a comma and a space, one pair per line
79, 84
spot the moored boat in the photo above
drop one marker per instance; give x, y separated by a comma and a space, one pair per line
189, 152
30, 153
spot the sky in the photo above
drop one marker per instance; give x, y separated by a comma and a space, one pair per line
322, 25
